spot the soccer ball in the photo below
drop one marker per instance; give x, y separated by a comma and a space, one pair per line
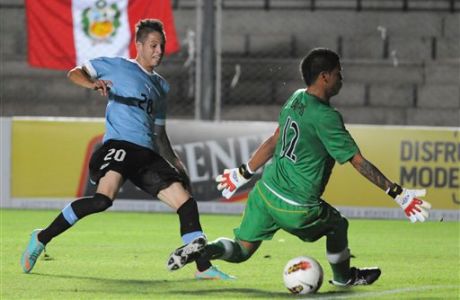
303, 275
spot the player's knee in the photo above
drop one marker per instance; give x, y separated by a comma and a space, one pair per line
344, 224
235, 252
101, 202
337, 239
245, 253
86, 206
341, 227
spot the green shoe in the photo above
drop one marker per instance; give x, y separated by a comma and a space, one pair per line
213, 273
32, 252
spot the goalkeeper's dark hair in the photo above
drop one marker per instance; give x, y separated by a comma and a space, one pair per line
146, 26
316, 61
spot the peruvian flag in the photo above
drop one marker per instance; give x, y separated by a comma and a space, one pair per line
65, 33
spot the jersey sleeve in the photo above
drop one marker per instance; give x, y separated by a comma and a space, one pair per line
98, 67
335, 137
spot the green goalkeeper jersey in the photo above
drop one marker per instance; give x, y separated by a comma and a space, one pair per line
312, 137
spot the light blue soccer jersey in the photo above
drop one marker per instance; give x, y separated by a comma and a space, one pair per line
137, 99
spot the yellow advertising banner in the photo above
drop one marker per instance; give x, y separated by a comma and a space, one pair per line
48, 154
49, 159
426, 158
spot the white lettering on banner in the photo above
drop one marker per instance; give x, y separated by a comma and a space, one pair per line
216, 152
196, 159
245, 150
205, 160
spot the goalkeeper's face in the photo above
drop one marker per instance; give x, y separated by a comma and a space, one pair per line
335, 81
150, 51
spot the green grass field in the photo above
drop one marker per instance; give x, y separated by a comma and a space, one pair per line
118, 255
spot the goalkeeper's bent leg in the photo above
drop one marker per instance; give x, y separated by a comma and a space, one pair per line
338, 253
229, 250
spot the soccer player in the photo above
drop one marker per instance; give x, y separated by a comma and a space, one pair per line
310, 137
135, 145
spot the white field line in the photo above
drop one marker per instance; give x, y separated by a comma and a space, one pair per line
387, 292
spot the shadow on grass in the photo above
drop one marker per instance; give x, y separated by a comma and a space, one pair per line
256, 293
170, 287
116, 281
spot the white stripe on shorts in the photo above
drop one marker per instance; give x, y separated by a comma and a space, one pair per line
288, 201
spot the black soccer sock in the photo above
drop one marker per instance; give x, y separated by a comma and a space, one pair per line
189, 217
202, 264
190, 228
58, 226
72, 213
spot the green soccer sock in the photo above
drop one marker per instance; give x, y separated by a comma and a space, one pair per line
341, 271
340, 263
226, 249
338, 253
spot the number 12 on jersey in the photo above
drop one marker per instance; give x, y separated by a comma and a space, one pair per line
288, 140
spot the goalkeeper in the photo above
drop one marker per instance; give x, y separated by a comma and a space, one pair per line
310, 137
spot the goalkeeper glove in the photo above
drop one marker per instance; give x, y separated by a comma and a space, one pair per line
414, 208
232, 179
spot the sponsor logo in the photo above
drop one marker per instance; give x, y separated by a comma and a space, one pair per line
148, 87
303, 265
406, 199
101, 21
296, 289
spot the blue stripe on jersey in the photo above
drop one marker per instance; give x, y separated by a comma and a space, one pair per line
69, 214
137, 100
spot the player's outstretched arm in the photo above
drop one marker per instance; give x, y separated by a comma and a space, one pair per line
265, 151
232, 179
80, 76
414, 208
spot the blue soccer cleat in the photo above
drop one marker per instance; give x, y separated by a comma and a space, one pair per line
32, 252
213, 273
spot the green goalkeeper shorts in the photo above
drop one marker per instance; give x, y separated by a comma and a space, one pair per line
265, 214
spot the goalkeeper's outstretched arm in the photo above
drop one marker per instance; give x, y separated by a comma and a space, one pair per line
414, 208
264, 152
232, 179
370, 171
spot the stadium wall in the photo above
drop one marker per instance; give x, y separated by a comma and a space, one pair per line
408, 76
44, 165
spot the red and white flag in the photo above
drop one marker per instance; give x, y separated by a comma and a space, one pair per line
65, 33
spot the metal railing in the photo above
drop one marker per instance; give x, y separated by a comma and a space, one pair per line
355, 5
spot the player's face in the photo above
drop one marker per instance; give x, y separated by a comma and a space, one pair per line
334, 81
149, 52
